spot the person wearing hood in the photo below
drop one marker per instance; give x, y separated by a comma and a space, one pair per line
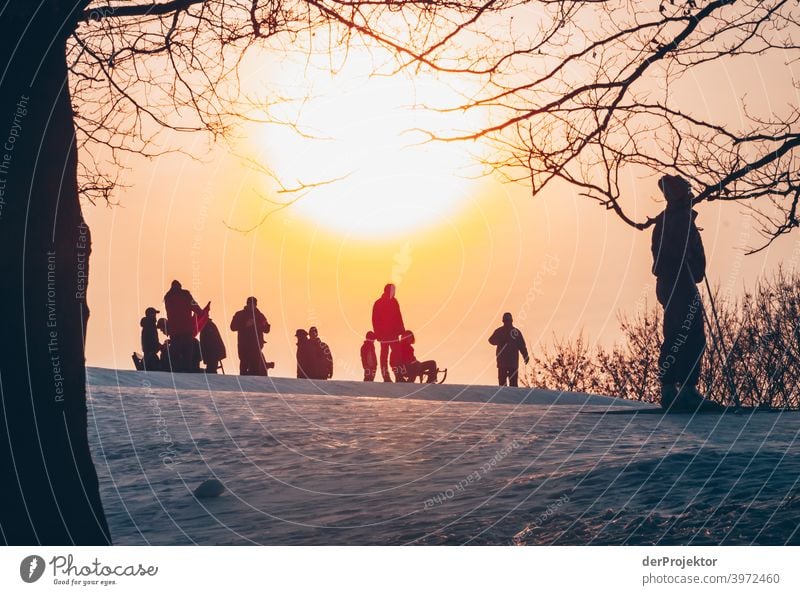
150, 343
182, 311
387, 323
251, 325
679, 264
212, 348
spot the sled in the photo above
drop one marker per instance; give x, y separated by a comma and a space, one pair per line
438, 380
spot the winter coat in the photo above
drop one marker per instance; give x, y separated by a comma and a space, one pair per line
320, 358
150, 342
677, 247
387, 322
403, 354
250, 324
510, 343
369, 360
180, 306
211, 345
305, 358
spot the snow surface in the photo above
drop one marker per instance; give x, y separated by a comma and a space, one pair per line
339, 462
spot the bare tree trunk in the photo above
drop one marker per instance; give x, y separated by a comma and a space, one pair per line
49, 483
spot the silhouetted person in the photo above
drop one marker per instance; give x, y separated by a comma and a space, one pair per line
387, 322
509, 344
150, 343
181, 311
251, 325
679, 263
212, 347
369, 360
407, 367
321, 356
305, 356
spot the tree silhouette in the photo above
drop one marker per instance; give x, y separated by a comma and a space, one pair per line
579, 91
96, 80
595, 94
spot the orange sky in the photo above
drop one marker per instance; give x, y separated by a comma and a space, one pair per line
461, 251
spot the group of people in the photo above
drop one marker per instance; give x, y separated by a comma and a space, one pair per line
396, 345
679, 264
314, 357
192, 337
181, 351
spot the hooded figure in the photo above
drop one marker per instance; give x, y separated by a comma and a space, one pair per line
211, 347
305, 359
509, 344
679, 263
182, 309
387, 322
150, 343
251, 325
369, 360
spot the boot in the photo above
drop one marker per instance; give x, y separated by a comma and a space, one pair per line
687, 399
668, 394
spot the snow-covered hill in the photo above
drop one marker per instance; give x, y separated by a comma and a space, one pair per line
337, 462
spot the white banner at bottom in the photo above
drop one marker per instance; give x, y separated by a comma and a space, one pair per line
400, 570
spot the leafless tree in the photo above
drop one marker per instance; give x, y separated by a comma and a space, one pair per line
597, 93
83, 83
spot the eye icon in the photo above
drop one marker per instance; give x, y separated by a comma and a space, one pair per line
31, 569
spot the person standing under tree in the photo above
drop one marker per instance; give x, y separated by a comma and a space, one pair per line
509, 344
679, 264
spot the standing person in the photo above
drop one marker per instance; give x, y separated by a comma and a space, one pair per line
305, 363
182, 309
150, 343
387, 322
510, 343
369, 360
212, 347
251, 326
321, 356
679, 264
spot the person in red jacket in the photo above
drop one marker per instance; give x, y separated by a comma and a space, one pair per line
182, 310
387, 323
407, 367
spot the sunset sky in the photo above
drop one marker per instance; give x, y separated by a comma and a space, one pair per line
462, 249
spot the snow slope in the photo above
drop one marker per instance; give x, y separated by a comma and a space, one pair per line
335, 462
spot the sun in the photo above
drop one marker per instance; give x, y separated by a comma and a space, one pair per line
357, 144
